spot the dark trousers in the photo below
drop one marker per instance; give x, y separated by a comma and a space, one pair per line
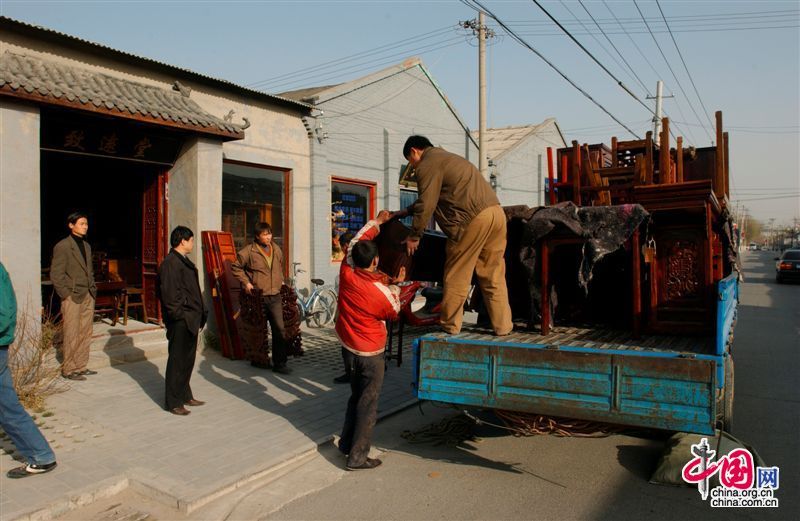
366, 380
273, 310
182, 351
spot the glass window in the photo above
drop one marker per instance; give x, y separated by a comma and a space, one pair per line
253, 194
407, 198
351, 208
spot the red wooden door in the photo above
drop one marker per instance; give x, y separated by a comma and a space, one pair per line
154, 238
219, 252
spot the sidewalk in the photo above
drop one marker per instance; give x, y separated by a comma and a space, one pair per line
111, 431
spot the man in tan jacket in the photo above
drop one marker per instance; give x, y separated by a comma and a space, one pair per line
468, 212
260, 265
73, 279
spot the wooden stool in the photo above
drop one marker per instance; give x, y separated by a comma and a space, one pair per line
136, 293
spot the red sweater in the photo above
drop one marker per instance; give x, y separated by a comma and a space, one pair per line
365, 302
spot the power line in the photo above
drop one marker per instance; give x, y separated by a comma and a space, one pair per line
646, 90
691, 106
579, 44
528, 46
371, 65
601, 45
791, 25
684, 64
628, 64
752, 15
360, 55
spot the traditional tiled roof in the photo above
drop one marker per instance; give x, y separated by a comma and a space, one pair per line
51, 36
306, 94
60, 84
501, 140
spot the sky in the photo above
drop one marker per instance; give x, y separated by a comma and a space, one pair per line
742, 58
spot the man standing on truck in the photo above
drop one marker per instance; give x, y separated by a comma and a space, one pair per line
365, 302
469, 213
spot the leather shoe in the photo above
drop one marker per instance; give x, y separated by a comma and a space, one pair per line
195, 403
88, 372
343, 379
74, 376
281, 369
180, 411
370, 463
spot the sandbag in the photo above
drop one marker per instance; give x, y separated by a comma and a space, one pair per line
678, 452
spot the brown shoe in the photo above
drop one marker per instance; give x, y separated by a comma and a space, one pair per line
370, 463
180, 411
195, 403
74, 376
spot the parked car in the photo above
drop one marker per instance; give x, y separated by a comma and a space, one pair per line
787, 266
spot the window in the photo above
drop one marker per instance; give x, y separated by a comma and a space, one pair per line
253, 194
352, 205
407, 198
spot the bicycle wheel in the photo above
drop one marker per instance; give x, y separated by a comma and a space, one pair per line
323, 309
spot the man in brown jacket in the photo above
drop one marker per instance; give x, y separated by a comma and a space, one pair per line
260, 265
468, 212
73, 280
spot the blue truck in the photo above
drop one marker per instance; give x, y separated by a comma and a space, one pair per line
676, 383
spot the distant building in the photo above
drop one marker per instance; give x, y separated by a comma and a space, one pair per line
518, 160
357, 154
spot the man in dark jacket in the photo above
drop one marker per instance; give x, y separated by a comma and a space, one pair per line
260, 265
14, 420
184, 315
469, 213
73, 279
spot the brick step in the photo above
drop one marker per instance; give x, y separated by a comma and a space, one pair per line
116, 348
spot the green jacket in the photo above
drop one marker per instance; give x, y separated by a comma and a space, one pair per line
8, 308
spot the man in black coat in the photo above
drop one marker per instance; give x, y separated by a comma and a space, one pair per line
184, 315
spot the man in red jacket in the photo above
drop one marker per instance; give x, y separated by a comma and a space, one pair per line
366, 301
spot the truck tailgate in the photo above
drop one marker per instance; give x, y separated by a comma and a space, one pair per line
661, 389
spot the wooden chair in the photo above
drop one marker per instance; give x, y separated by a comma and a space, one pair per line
138, 295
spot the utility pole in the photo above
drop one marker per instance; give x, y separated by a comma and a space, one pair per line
659, 108
483, 161
483, 33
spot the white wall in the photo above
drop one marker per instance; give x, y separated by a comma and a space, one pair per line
20, 203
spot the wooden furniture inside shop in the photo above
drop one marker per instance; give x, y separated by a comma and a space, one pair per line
686, 192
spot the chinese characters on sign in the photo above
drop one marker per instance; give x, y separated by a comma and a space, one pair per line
350, 211
121, 140
737, 475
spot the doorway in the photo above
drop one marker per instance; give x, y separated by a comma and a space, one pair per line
126, 207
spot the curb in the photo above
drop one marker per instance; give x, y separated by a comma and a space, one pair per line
159, 489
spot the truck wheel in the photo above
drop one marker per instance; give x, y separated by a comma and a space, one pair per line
727, 399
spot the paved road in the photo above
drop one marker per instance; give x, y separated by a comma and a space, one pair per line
500, 476
545, 477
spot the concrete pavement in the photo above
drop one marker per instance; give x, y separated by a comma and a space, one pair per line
111, 432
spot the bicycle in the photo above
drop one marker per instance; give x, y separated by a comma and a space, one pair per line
319, 308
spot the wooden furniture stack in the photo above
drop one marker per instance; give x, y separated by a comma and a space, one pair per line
686, 192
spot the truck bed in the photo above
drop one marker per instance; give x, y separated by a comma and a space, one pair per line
596, 338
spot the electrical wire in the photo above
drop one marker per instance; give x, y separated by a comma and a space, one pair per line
369, 66
707, 113
335, 63
528, 46
620, 65
752, 15
631, 69
689, 101
584, 49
